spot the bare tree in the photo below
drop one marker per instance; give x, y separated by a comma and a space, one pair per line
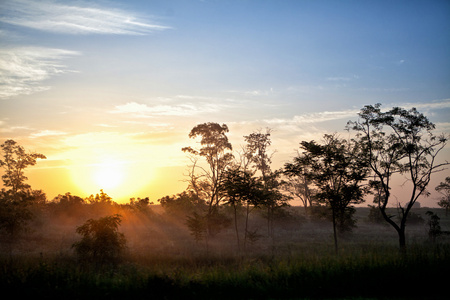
401, 142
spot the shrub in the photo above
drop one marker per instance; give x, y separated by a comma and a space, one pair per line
101, 242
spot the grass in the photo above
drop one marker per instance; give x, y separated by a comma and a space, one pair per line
164, 262
374, 273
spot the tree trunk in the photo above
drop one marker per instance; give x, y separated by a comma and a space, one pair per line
236, 227
402, 240
246, 225
335, 232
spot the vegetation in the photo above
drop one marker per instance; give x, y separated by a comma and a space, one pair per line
401, 142
101, 242
338, 169
16, 195
206, 180
444, 189
354, 275
232, 234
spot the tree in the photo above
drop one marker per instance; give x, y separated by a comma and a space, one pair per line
298, 184
434, 226
273, 199
141, 205
242, 188
101, 198
398, 142
15, 160
68, 200
198, 226
444, 189
101, 241
216, 149
256, 152
186, 202
67, 205
338, 169
16, 196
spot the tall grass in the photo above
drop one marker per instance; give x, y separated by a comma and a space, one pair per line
366, 272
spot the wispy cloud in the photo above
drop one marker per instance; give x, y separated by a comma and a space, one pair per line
437, 104
348, 114
76, 18
317, 117
144, 110
23, 69
342, 78
46, 133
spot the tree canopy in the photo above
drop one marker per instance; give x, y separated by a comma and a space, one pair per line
399, 141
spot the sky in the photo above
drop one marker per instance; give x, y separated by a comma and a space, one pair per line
109, 90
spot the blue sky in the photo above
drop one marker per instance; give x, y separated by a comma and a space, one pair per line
81, 80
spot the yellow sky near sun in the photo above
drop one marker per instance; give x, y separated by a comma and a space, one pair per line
115, 162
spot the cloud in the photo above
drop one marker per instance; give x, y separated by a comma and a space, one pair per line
438, 104
183, 109
23, 69
46, 133
61, 17
329, 116
317, 117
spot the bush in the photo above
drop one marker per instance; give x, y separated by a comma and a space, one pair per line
101, 242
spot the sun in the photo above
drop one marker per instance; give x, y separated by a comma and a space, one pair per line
120, 178
109, 175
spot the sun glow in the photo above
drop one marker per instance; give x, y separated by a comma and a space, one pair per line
120, 179
121, 166
109, 175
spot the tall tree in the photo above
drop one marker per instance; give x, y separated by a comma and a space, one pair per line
399, 141
257, 151
16, 195
15, 161
298, 184
258, 155
338, 169
216, 150
242, 189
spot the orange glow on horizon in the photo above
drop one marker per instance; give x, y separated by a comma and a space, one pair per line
119, 179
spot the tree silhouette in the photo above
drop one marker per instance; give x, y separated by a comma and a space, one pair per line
444, 189
215, 149
101, 242
16, 195
298, 183
185, 202
242, 188
399, 141
257, 153
338, 170
434, 228
15, 161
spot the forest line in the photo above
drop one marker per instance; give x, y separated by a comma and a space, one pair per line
329, 177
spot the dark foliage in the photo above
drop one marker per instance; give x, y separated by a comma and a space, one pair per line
101, 242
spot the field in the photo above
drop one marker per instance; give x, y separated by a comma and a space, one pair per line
163, 261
